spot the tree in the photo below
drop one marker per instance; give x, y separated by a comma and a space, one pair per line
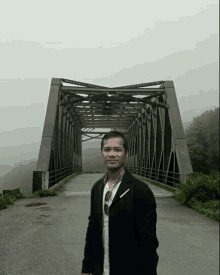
202, 137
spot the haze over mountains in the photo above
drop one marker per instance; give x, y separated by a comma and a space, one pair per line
19, 150
180, 44
22, 146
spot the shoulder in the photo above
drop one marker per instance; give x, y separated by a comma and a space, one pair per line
142, 191
97, 184
141, 186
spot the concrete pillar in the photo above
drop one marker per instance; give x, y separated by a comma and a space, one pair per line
40, 181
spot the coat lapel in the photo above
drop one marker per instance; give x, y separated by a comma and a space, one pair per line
124, 186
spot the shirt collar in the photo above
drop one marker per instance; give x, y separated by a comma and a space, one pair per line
119, 178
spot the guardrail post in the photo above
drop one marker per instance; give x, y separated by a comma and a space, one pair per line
184, 178
45, 184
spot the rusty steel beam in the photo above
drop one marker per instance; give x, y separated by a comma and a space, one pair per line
80, 83
133, 104
141, 85
49, 124
97, 119
153, 126
56, 148
105, 125
78, 102
104, 122
100, 112
143, 91
95, 133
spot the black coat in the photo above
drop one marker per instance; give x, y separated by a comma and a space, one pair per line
132, 230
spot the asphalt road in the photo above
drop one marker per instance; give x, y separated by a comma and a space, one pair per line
50, 239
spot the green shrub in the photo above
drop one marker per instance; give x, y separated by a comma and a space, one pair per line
202, 188
209, 209
44, 193
9, 198
202, 137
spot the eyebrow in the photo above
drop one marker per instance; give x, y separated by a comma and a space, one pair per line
114, 147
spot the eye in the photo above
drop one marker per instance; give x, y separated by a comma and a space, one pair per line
115, 149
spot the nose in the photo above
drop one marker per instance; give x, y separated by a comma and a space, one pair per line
112, 153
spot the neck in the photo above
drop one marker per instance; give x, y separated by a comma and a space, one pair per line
114, 174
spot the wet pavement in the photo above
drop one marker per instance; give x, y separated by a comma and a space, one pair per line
50, 238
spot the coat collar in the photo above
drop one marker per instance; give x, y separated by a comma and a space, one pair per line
119, 178
124, 186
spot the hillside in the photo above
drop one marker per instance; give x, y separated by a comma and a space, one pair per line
18, 162
91, 158
21, 175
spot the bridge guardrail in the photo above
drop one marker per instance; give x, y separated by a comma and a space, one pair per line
168, 178
45, 180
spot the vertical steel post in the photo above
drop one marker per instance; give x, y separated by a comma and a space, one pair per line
179, 139
48, 130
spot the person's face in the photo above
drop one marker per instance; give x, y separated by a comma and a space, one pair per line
113, 153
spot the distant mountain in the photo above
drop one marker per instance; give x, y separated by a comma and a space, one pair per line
18, 160
185, 124
20, 136
20, 176
11, 156
4, 169
17, 146
92, 159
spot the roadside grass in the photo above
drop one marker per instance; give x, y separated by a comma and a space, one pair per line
13, 195
200, 193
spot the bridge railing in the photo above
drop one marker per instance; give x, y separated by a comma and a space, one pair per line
59, 174
171, 179
43, 180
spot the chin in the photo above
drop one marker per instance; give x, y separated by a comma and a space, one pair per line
112, 168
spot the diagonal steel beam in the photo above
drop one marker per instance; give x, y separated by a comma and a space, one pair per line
80, 83
141, 85
110, 90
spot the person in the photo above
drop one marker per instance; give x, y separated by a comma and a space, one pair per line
121, 235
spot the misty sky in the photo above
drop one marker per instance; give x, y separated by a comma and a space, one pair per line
109, 43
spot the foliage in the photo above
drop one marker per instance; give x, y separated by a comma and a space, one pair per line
200, 187
203, 141
44, 193
201, 193
10, 198
209, 209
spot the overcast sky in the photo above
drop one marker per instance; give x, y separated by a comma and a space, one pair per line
108, 43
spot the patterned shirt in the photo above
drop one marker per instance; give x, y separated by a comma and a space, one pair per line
105, 234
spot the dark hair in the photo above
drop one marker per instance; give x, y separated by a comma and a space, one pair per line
112, 134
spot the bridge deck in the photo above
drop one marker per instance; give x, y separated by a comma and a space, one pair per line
77, 188
50, 239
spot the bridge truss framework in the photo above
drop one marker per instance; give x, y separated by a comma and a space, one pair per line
152, 125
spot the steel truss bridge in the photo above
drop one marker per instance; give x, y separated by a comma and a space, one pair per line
152, 125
